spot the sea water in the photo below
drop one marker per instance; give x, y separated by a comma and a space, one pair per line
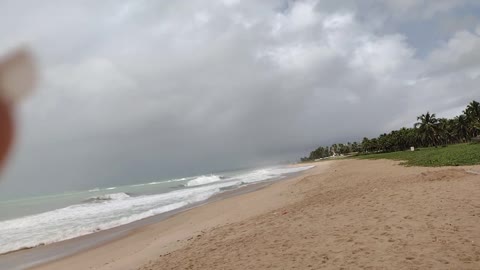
31, 222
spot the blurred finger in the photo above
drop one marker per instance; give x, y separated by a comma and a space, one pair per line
6, 131
17, 76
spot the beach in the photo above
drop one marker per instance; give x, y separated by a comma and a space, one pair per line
346, 214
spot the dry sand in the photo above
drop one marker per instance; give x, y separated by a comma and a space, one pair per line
345, 214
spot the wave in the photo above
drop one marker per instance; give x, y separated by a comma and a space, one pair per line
167, 181
203, 180
100, 189
250, 177
81, 219
269, 173
159, 182
108, 197
120, 208
174, 180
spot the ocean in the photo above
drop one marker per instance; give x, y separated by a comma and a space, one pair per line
30, 222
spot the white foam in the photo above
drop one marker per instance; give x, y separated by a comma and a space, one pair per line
203, 180
113, 196
174, 180
112, 210
269, 173
82, 219
159, 182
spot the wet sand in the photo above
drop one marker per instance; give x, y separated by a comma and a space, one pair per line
344, 214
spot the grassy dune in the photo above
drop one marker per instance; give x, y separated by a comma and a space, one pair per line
452, 155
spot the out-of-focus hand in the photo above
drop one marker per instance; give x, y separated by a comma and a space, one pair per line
17, 76
6, 131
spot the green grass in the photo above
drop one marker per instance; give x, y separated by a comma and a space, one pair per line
452, 155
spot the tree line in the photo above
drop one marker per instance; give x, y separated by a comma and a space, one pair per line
428, 131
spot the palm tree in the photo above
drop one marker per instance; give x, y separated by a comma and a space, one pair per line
428, 128
447, 129
366, 145
462, 128
473, 110
472, 113
476, 130
355, 147
373, 145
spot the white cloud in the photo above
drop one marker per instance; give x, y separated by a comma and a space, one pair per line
459, 54
383, 56
170, 88
230, 2
301, 15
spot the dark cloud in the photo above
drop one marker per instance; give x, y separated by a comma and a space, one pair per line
135, 91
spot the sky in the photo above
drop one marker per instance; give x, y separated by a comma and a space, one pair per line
135, 91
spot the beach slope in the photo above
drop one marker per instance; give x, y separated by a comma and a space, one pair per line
342, 214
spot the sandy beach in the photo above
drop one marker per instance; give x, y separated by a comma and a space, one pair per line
343, 214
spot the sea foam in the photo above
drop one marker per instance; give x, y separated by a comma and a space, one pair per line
86, 218
110, 210
203, 180
108, 197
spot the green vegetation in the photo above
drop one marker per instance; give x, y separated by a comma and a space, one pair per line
429, 131
452, 155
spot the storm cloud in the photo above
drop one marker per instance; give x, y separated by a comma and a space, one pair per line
132, 91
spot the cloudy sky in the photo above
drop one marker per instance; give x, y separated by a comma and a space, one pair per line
134, 91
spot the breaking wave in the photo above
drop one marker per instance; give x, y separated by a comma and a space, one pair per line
108, 197
203, 180
115, 209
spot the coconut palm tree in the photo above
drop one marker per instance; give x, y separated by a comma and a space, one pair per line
472, 113
408, 138
448, 132
476, 129
428, 128
462, 128
473, 110
355, 147
365, 145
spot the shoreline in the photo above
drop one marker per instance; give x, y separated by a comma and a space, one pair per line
346, 214
45, 254
134, 249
